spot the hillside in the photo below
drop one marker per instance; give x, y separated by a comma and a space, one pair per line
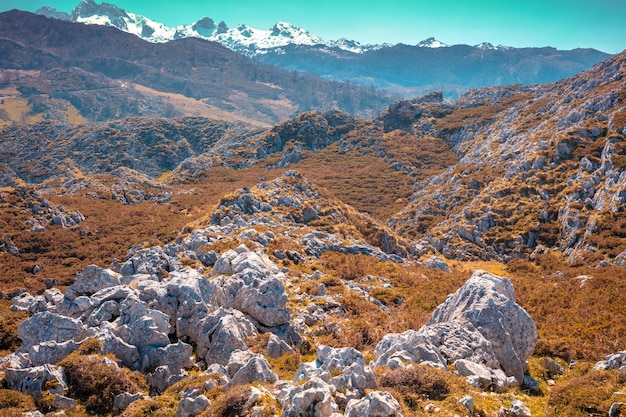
411, 70
439, 258
194, 68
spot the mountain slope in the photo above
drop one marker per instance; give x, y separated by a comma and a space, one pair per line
195, 68
539, 168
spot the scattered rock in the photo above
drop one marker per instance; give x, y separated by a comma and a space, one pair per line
122, 401
374, 404
191, 404
614, 361
63, 403
517, 409
468, 402
32, 380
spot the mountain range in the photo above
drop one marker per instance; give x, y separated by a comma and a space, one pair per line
129, 76
402, 69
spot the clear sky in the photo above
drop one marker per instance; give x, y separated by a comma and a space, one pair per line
565, 24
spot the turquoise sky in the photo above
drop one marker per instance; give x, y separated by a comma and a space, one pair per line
565, 24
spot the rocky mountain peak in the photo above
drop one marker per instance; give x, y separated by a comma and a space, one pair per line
431, 43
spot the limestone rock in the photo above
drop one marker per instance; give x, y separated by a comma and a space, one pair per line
486, 377
374, 404
32, 380
45, 326
123, 400
276, 347
517, 409
313, 398
613, 361
222, 333
435, 262
50, 352
191, 404
468, 402
92, 279
343, 368
488, 303
163, 377
253, 368
435, 345
61, 402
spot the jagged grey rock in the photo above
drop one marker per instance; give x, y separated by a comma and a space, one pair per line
488, 303
123, 400
247, 368
517, 409
191, 404
222, 333
486, 377
314, 397
343, 368
436, 346
613, 361
276, 347
163, 377
374, 404
552, 367
45, 326
32, 380
92, 280
50, 352
468, 402
61, 402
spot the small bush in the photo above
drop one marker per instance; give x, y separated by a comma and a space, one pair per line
96, 384
162, 406
589, 394
416, 384
15, 403
229, 403
9, 320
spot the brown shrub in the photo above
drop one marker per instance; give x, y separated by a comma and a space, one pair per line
161, 406
9, 320
229, 403
416, 384
96, 384
14, 403
589, 394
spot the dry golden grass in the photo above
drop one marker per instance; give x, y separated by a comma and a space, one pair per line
191, 107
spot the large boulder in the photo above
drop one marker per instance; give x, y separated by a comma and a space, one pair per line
222, 333
436, 345
480, 323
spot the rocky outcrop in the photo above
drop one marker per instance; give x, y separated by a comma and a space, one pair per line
374, 404
614, 361
480, 329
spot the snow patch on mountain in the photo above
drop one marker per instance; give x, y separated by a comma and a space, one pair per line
431, 43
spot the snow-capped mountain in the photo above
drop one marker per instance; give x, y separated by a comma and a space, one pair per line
431, 43
242, 38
